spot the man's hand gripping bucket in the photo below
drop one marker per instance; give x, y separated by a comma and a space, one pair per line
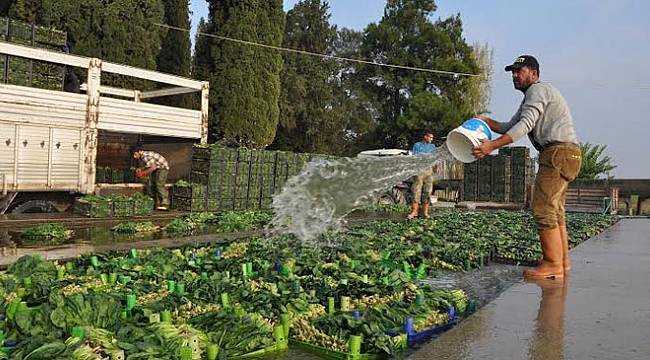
463, 139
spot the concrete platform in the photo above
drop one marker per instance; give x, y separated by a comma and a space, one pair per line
602, 311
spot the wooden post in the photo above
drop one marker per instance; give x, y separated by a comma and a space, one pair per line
205, 102
16, 155
50, 158
92, 118
634, 204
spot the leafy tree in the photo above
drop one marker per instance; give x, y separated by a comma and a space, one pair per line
246, 79
595, 164
309, 121
410, 101
174, 55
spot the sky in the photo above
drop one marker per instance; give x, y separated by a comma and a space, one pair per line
596, 52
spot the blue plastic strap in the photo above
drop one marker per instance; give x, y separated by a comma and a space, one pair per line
408, 326
452, 313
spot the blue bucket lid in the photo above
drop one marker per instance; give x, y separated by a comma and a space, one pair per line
478, 125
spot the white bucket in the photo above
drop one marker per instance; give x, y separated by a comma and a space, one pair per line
463, 139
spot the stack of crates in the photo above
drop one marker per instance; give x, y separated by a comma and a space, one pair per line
213, 171
109, 175
191, 198
501, 177
267, 179
27, 72
236, 178
485, 179
470, 181
522, 172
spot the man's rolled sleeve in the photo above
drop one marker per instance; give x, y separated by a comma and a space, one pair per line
531, 110
505, 126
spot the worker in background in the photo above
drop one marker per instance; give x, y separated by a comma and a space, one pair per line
544, 115
423, 184
156, 166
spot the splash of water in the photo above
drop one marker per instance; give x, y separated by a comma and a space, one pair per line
318, 199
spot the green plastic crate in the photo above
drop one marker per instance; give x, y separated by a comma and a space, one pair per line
331, 354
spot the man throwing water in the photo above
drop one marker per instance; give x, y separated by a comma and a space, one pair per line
423, 181
544, 115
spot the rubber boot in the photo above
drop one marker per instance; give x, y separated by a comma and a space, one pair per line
566, 263
425, 210
551, 264
414, 211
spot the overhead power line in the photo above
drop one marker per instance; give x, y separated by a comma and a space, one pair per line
324, 56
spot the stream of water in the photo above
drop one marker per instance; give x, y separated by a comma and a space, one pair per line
318, 199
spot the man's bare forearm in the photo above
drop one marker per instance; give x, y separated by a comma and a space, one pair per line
502, 141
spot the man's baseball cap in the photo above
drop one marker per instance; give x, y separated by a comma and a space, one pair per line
524, 60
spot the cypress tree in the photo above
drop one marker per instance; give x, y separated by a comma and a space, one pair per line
122, 31
309, 120
131, 37
5, 5
202, 60
174, 55
245, 86
26, 10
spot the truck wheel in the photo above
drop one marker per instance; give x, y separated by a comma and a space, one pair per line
33, 206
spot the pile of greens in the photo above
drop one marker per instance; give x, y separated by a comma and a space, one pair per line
229, 221
157, 303
182, 184
189, 223
241, 221
96, 206
135, 227
46, 234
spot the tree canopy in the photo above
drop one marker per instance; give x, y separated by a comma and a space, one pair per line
411, 101
266, 97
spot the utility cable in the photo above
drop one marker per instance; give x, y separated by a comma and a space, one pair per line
325, 56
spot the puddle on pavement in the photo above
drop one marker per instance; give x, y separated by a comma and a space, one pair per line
482, 285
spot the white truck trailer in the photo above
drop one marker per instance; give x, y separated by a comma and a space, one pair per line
49, 139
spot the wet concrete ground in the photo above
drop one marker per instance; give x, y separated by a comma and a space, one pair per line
601, 312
